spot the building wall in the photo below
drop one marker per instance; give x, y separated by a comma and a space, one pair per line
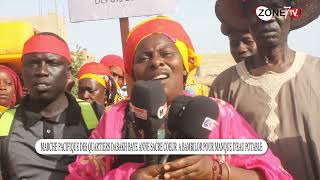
50, 23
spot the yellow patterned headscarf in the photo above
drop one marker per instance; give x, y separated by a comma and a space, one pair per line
188, 55
100, 79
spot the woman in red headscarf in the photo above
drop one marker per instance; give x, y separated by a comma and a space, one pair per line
94, 83
159, 49
116, 66
10, 88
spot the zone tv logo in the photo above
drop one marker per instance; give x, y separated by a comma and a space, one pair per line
266, 14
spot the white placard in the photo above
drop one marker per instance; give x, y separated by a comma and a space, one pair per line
86, 10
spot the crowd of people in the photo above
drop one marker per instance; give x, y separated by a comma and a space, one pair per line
271, 93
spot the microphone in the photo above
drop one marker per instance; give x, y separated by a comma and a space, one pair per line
177, 107
191, 118
195, 120
148, 102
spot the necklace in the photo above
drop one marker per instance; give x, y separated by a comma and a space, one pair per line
266, 59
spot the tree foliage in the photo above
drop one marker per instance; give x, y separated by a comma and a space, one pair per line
77, 57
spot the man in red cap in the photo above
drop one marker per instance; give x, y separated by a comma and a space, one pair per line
277, 90
47, 112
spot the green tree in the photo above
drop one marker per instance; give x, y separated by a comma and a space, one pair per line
77, 58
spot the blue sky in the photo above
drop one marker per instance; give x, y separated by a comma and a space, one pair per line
197, 16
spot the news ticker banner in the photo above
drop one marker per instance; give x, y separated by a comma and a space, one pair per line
86, 10
152, 146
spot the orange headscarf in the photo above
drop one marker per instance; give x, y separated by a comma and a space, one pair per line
112, 60
93, 68
168, 27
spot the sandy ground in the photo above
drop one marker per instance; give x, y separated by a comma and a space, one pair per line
212, 65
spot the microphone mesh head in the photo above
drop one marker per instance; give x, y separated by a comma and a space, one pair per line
149, 96
197, 120
176, 109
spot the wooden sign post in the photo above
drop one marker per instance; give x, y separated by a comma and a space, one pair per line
124, 28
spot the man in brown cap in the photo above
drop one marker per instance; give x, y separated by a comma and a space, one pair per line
242, 44
276, 90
